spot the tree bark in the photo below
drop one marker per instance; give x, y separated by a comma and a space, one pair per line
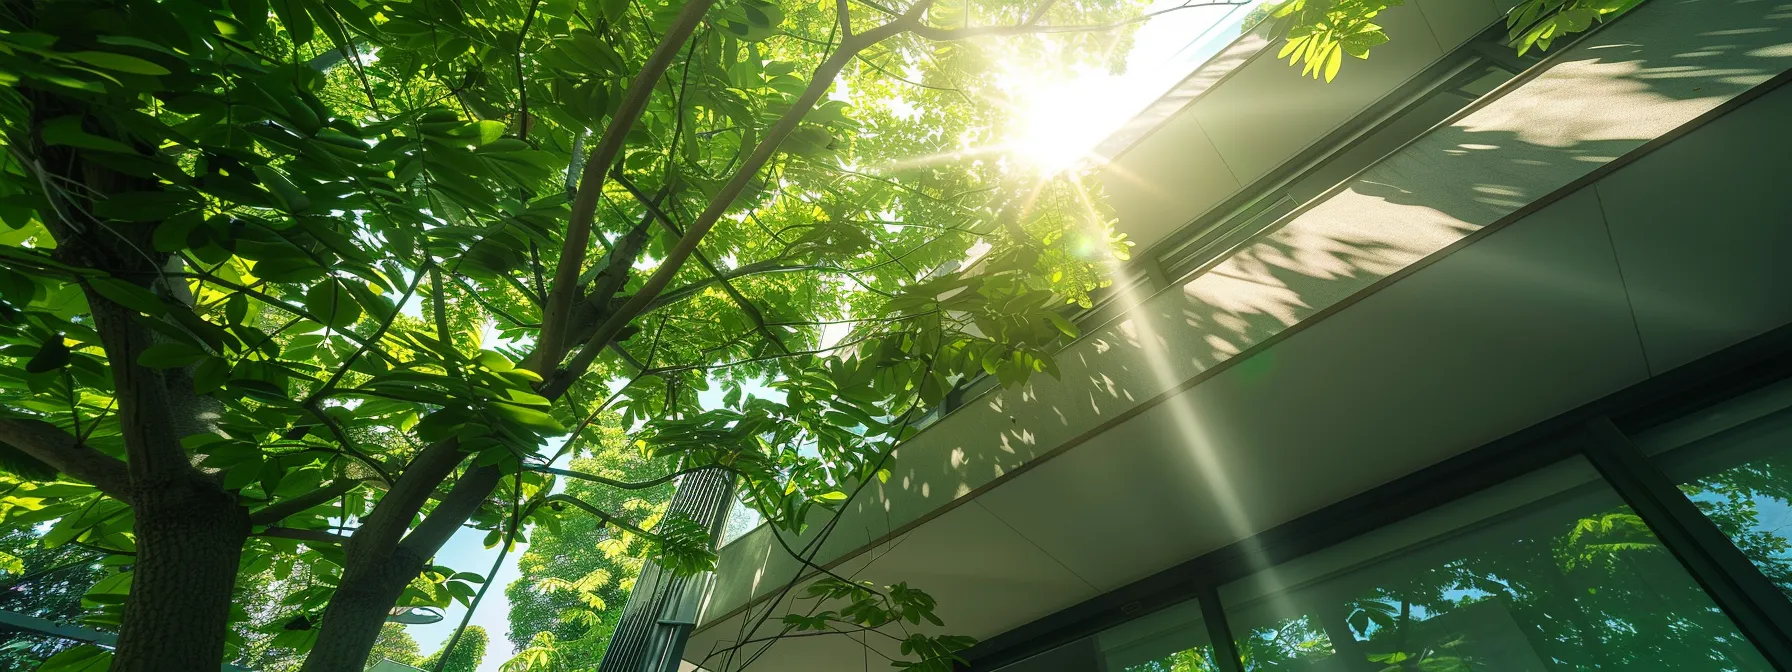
190, 536
357, 610
369, 589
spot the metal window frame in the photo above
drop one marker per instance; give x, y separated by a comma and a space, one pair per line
1596, 430
1759, 609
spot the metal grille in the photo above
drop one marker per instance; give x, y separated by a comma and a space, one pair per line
662, 608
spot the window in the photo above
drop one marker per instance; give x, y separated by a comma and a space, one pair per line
1547, 572
1169, 640
1734, 461
741, 520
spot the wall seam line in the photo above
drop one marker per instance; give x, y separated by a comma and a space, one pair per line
1618, 262
1036, 545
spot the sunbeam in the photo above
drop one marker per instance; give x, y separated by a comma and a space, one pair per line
1211, 468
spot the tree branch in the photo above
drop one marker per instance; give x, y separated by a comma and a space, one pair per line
63, 452
382, 529
724, 198
281, 510
740, 300
756, 268
603, 516
315, 536
459, 504
557, 312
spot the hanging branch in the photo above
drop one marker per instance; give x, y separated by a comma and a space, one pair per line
491, 576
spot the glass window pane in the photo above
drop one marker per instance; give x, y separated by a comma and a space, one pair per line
1170, 640
741, 520
1734, 461
1549, 572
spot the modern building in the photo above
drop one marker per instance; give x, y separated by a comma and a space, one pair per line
1464, 361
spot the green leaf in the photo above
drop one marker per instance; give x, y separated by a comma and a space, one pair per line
260, 390
482, 132
612, 9
296, 268
116, 62
16, 287
290, 197
67, 131
298, 24
128, 295
110, 590
253, 14
236, 308
333, 303
808, 142
83, 658
496, 362
1359, 44
173, 233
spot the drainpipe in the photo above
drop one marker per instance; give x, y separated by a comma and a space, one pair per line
662, 609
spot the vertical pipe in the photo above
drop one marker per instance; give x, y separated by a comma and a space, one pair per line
662, 609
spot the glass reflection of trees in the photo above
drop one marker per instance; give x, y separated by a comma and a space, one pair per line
1742, 479
1576, 582
1198, 659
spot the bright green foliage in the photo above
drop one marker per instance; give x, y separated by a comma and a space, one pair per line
397, 645
856, 606
467, 654
574, 582
1318, 33
324, 232
46, 583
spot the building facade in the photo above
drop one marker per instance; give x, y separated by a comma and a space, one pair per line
1464, 361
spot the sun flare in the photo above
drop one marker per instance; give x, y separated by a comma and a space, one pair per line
1059, 124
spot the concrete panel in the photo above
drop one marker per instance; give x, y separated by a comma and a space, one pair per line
1702, 227
747, 552
1454, 21
1161, 185
995, 576
1499, 335
1268, 111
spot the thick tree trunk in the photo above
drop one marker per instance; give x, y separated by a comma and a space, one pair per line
357, 610
190, 536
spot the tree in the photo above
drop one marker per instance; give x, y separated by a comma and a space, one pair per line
574, 582
464, 658
307, 286
396, 645
246, 298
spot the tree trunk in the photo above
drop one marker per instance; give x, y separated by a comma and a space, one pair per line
357, 610
190, 536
